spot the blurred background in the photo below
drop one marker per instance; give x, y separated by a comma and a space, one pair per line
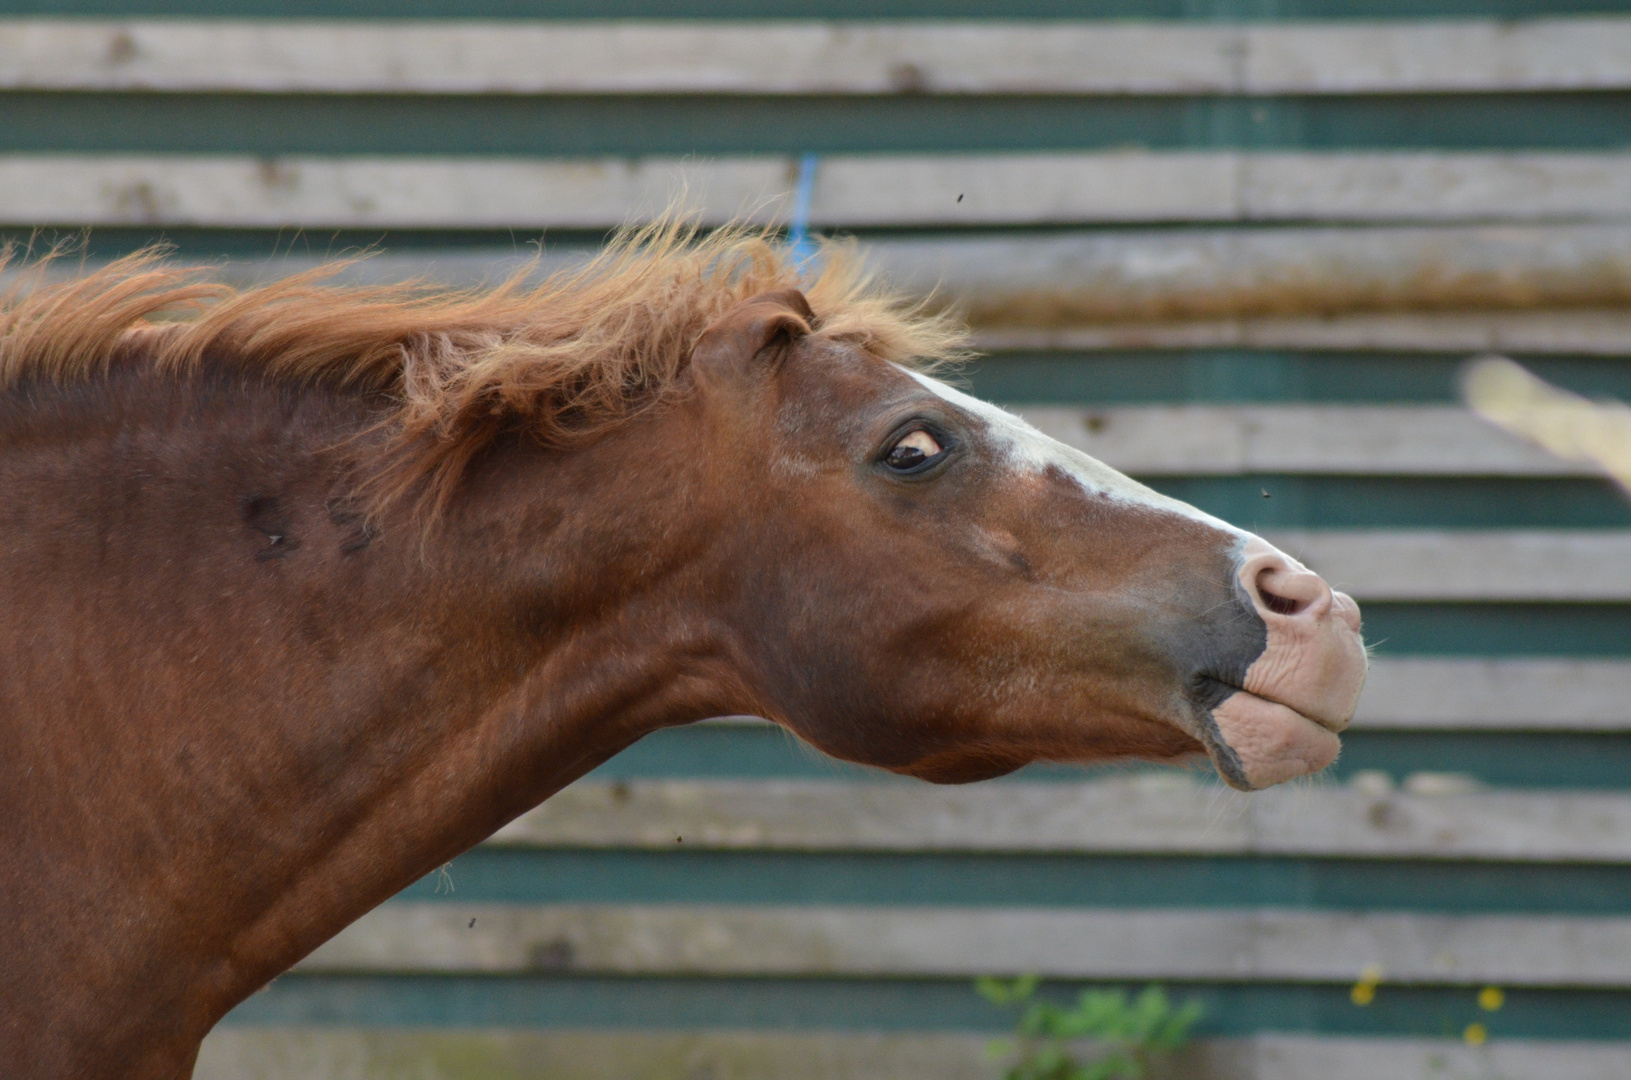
1238, 248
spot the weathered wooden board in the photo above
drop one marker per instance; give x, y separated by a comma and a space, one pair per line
1223, 440
1159, 813
339, 1053
1137, 186
1445, 288
1105, 57
1446, 694
1233, 945
919, 190
1287, 1057
1435, 565
1088, 278
1584, 332
355, 192
313, 1053
1422, 55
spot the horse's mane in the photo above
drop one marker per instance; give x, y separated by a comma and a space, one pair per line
565, 360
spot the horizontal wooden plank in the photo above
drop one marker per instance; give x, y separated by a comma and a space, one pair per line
942, 57
1012, 320
1417, 287
1131, 186
1574, 332
234, 1052
1435, 565
1226, 945
328, 1053
1157, 813
357, 192
1423, 55
1433, 693
1469, 273
1290, 1057
925, 190
616, 57
1221, 440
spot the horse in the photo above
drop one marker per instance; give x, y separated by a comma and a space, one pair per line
312, 585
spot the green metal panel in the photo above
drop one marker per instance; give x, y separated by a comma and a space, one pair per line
1201, 376
896, 1004
625, 125
497, 875
1394, 629
1359, 502
1500, 759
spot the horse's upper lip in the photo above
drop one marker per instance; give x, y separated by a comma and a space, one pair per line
1334, 726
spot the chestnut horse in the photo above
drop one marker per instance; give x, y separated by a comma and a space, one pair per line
309, 588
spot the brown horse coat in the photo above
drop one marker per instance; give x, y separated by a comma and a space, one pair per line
309, 594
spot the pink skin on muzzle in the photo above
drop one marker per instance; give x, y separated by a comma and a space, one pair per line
1304, 687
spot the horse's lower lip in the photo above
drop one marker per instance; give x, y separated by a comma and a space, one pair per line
1270, 741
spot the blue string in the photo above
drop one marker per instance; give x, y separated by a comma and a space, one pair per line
798, 232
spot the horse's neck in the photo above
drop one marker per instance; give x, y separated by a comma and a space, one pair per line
243, 719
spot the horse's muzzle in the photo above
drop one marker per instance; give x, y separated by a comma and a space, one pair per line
1281, 718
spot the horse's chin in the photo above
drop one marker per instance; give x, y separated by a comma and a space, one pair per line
1262, 742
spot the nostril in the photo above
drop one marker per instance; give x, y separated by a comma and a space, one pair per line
1284, 589
1276, 602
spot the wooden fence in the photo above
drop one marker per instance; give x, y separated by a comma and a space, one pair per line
1238, 248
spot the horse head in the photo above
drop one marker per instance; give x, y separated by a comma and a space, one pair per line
921, 581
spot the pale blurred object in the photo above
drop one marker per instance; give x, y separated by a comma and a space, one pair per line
1568, 425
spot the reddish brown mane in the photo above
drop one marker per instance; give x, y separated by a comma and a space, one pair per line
569, 358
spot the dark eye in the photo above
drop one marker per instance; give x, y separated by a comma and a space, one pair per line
913, 450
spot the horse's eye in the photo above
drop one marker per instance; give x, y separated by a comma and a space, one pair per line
912, 450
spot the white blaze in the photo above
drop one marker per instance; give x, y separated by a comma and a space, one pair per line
1029, 450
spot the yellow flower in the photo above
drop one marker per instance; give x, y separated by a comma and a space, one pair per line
1364, 991
1490, 998
1476, 1034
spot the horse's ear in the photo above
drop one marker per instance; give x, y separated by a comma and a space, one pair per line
732, 345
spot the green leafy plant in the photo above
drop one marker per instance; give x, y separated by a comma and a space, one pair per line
1124, 1036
